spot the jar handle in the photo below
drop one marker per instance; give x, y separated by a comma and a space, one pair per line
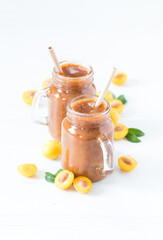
38, 100
107, 149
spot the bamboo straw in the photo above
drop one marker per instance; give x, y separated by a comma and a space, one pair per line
102, 95
55, 60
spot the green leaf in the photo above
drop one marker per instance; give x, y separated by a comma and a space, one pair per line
136, 131
49, 179
113, 95
50, 174
131, 137
58, 171
122, 98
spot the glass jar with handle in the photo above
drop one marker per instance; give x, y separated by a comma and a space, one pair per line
87, 138
77, 80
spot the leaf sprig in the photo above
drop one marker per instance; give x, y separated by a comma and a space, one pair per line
49, 177
133, 134
121, 97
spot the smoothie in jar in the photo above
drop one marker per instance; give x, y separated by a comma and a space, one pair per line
87, 138
76, 79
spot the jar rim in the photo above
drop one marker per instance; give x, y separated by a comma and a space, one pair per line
72, 79
70, 110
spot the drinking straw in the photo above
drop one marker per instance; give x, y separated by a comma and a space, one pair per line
55, 60
103, 92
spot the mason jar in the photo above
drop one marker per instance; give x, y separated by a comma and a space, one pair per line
87, 141
61, 90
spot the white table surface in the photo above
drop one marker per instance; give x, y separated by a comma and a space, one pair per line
126, 34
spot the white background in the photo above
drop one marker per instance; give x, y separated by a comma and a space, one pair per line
126, 34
